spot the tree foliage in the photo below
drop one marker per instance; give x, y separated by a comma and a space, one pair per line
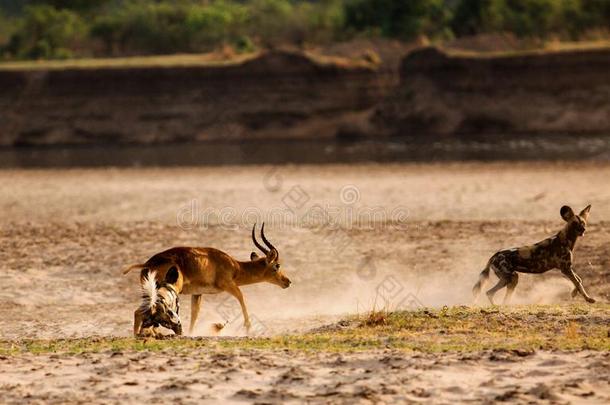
61, 28
45, 32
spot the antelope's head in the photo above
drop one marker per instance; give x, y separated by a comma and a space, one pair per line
160, 302
576, 224
272, 273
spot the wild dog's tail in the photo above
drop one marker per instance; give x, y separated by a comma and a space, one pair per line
476, 290
133, 267
149, 291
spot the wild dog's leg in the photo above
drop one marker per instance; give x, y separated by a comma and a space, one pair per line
511, 288
503, 282
138, 331
149, 332
501, 267
236, 292
195, 307
575, 290
577, 281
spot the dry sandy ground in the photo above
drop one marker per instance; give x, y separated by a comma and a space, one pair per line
65, 235
288, 377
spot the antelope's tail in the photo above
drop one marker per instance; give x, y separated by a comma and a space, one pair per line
476, 289
133, 267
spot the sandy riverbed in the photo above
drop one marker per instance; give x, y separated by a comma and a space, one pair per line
422, 235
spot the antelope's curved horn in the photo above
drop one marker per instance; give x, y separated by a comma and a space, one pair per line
258, 245
265, 239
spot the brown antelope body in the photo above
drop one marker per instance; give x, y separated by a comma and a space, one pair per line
211, 271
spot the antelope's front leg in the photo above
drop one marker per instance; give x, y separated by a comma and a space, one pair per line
236, 292
137, 322
577, 281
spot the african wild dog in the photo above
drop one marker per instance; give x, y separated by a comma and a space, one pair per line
555, 252
211, 271
160, 304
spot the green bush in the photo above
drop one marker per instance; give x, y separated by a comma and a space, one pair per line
588, 14
59, 28
77, 5
215, 24
396, 18
269, 21
46, 32
322, 21
143, 27
530, 18
7, 27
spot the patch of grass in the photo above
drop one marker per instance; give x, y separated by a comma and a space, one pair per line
169, 61
462, 329
208, 59
549, 48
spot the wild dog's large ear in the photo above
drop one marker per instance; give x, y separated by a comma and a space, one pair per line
566, 213
253, 256
584, 214
272, 256
172, 275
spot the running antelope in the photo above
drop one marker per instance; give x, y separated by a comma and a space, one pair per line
211, 271
555, 252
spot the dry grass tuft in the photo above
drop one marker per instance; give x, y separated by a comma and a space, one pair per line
375, 318
572, 330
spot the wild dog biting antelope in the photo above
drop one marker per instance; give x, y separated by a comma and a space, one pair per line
160, 304
211, 271
555, 252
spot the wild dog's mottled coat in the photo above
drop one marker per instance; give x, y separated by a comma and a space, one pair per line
555, 252
160, 304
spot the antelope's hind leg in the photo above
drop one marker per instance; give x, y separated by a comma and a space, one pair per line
195, 308
137, 322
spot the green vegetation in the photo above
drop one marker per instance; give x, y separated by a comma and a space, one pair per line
399, 19
537, 18
56, 29
46, 32
462, 329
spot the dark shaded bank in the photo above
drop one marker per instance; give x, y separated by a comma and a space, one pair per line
275, 95
277, 152
564, 92
292, 96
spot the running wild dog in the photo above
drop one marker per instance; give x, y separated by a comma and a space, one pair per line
555, 252
160, 305
211, 271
